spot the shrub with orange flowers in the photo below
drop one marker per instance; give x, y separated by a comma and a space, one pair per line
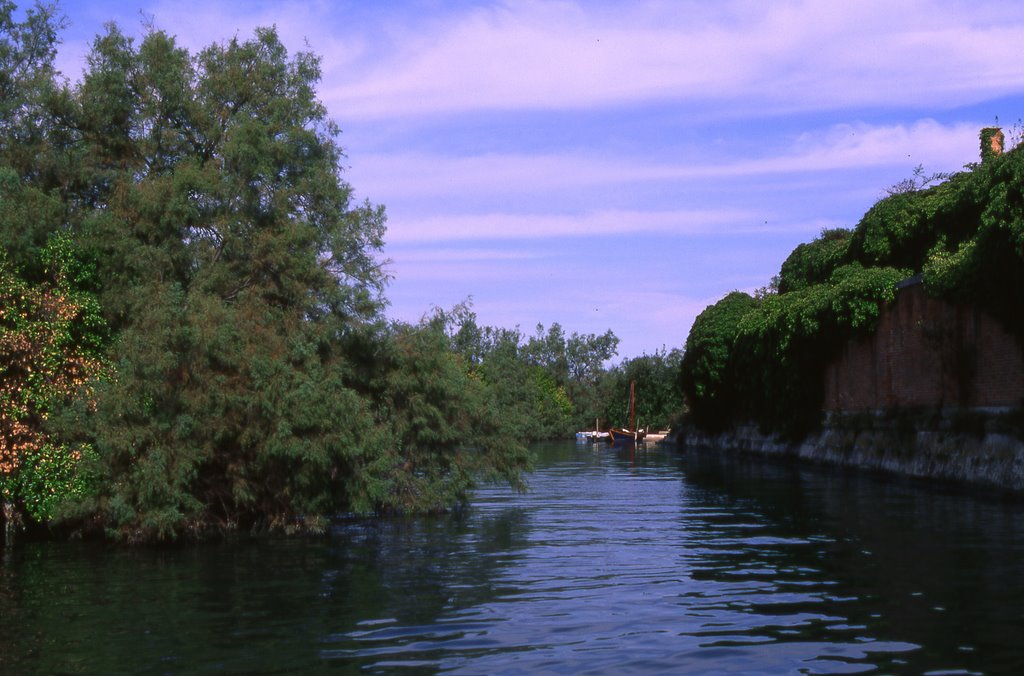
50, 336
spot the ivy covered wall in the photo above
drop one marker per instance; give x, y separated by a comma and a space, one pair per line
764, 360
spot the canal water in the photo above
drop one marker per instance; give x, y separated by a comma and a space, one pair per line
661, 561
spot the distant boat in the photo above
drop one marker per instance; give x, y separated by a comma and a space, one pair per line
621, 435
628, 435
595, 436
584, 437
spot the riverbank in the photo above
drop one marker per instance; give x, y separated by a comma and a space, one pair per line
981, 448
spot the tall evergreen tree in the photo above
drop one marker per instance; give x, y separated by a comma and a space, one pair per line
31, 167
233, 264
250, 381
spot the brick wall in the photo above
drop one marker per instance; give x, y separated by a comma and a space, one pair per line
928, 353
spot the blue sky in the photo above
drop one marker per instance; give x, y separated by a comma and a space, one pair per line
621, 165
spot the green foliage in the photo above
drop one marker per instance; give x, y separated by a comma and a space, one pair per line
187, 214
586, 356
947, 273
706, 372
446, 426
49, 477
230, 263
552, 406
900, 230
51, 341
814, 263
766, 363
783, 346
220, 171
225, 416
30, 204
544, 385
986, 268
658, 399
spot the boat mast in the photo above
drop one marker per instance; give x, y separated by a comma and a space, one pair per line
632, 406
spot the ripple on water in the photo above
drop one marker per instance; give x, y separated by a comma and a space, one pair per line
650, 563
607, 582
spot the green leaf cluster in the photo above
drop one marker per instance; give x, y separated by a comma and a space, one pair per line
52, 337
984, 266
51, 477
707, 372
764, 360
445, 423
783, 346
814, 262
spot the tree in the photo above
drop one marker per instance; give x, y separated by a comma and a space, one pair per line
919, 180
526, 379
31, 170
658, 402
575, 365
547, 350
445, 423
232, 265
224, 364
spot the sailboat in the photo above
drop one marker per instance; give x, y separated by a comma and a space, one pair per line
628, 435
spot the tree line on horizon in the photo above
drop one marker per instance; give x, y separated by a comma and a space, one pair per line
192, 328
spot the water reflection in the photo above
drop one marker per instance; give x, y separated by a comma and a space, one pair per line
927, 566
614, 562
403, 578
279, 606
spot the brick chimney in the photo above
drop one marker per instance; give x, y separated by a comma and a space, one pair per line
991, 142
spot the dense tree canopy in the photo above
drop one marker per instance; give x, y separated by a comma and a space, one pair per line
192, 334
549, 384
814, 262
231, 264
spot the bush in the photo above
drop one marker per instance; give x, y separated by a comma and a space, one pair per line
706, 375
814, 263
783, 347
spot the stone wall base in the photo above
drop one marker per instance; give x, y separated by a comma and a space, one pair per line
977, 447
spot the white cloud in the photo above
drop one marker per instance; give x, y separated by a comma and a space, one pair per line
849, 146
518, 226
787, 56
398, 176
740, 56
431, 255
404, 61
394, 71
